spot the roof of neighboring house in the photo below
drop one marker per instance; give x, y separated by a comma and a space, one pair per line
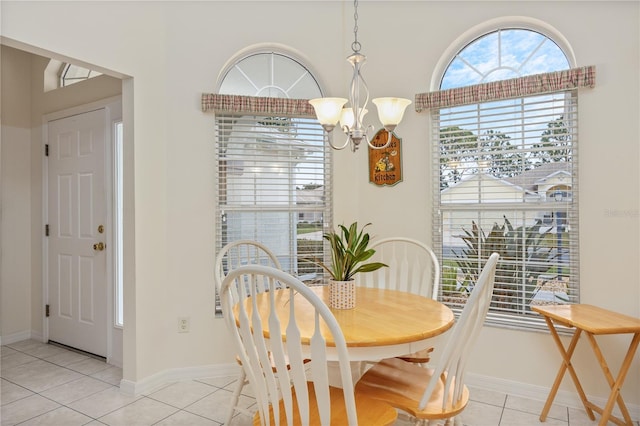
310, 196
530, 179
475, 176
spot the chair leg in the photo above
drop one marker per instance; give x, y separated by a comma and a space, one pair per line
242, 380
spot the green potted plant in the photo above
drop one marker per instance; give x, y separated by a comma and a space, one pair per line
349, 253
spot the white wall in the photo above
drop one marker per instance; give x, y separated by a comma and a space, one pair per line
15, 192
24, 103
174, 52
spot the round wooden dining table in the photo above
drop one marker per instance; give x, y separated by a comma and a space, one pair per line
385, 323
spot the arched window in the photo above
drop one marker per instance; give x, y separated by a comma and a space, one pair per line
58, 74
501, 55
70, 74
269, 74
273, 165
505, 132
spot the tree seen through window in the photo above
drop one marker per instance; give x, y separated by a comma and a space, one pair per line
501, 167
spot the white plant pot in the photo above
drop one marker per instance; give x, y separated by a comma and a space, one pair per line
342, 294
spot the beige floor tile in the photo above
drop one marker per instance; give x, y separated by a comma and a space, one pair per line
215, 406
533, 406
91, 390
182, 418
43, 350
38, 376
25, 409
58, 417
25, 344
579, 417
10, 392
15, 359
156, 388
480, 414
220, 382
487, 396
6, 350
181, 394
75, 390
520, 418
111, 375
241, 419
142, 412
103, 402
66, 358
88, 366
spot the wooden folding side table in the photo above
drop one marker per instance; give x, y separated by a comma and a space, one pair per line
593, 321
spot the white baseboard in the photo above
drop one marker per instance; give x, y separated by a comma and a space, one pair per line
20, 336
156, 381
563, 397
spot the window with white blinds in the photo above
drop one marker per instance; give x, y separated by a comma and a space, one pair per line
506, 176
273, 180
274, 186
505, 172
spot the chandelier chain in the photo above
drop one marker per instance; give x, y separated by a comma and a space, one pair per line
355, 46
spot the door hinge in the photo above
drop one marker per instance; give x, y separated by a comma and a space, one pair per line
46, 310
46, 230
46, 150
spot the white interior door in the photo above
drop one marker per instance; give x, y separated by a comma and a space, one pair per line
77, 212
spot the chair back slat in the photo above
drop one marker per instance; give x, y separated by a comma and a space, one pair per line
272, 381
239, 253
463, 336
412, 267
294, 350
319, 369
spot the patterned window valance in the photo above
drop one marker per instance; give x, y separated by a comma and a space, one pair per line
507, 89
256, 105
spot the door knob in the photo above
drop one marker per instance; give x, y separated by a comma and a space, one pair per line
99, 246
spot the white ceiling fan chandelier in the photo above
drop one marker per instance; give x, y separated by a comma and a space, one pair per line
330, 111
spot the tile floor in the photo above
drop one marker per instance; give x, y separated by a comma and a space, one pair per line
46, 385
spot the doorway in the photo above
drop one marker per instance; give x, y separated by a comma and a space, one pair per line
83, 278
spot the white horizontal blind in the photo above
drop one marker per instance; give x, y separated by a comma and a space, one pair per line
505, 178
274, 186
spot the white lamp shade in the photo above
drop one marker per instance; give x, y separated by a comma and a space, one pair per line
328, 110
391, 110
347, 119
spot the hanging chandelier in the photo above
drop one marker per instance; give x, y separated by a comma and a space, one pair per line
330, 111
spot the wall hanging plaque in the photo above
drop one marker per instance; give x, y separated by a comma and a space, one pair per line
385, 165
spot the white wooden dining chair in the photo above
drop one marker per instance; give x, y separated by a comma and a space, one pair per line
412, 267
239, 253
285, 395
439, 393
232, 256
